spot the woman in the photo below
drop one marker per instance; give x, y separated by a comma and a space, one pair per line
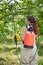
27, 54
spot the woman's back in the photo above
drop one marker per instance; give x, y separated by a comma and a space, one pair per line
25, 29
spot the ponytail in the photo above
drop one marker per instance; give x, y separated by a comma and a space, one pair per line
35, 28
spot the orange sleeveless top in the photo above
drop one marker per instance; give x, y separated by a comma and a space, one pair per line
29, 38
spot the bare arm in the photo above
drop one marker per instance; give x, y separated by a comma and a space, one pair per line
23, 32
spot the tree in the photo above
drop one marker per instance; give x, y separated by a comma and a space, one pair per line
13, 14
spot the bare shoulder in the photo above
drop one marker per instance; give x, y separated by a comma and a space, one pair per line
24, 28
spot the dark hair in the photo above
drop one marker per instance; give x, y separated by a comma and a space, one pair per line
33, 22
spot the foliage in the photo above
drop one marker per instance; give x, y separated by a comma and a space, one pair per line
12, 17
13, 14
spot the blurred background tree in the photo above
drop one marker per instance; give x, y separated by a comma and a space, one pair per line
12, 17
13, 14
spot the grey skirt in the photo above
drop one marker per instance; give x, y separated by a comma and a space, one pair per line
28, 54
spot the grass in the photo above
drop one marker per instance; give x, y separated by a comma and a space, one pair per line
8, 54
